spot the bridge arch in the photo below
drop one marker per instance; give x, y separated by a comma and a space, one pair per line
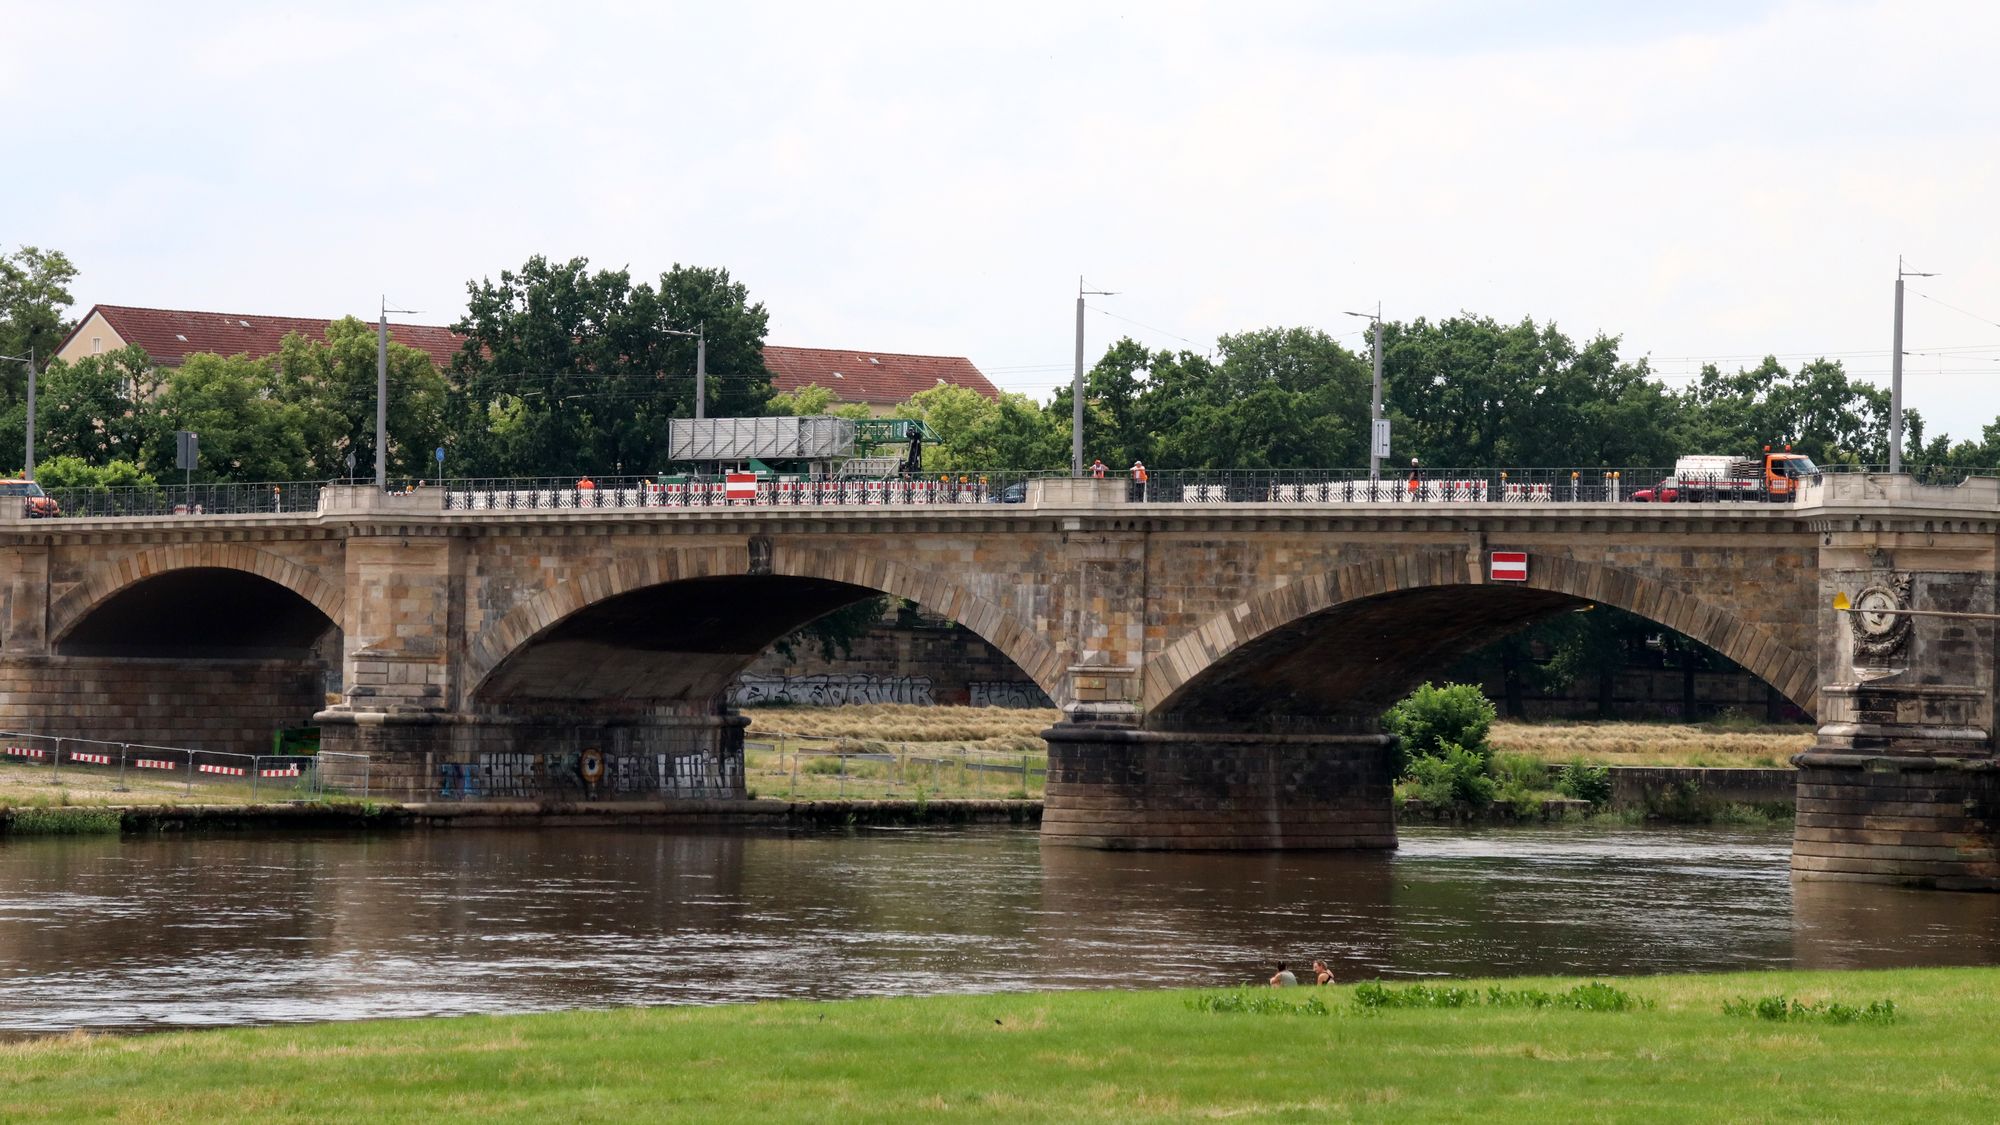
825, 580
1428, 591
113, 579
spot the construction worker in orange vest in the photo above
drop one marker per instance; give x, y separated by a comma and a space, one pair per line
1139, 480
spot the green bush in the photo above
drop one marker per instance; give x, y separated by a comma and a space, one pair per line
1521, 771
1431, 718
74, 472
1457, 775
1584, 782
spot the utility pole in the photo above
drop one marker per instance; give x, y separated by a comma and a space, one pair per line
1378, 444
382, 395
700, 365
1896, 373
1076, 383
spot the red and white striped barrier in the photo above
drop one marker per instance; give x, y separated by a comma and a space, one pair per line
155, 764
282, 771
26, 752
87, 756
226, 771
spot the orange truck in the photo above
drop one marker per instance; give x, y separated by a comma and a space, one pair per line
1774, 476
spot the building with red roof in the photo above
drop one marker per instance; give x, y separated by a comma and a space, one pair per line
878, 380
171, 335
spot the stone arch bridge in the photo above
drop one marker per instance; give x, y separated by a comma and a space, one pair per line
1221, 667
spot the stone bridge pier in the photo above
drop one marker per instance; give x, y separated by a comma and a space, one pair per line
1902, 784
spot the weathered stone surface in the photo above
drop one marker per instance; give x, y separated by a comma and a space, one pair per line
1151, 790
1236, 646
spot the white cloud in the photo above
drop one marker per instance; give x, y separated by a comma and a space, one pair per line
1705, 180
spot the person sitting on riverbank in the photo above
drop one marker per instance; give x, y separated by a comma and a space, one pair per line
1322, 974
1283, 978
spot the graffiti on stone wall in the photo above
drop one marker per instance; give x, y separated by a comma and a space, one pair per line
561, 774
1006, 693
831, 690
492, 777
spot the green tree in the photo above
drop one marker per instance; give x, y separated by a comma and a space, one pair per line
34, 308
1469, 391
333, 381
810, 400
98, 408
248, 432
979, 433
567, 370
67, 471
1817, 410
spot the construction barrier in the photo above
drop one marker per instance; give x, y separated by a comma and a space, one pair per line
154, 764
226, 771
93, 759
26, 752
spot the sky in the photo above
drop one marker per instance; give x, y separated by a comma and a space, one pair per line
1706, 181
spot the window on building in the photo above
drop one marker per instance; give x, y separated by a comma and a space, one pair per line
96, 344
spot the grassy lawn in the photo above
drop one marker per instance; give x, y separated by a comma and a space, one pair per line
1107, 1056
896, 751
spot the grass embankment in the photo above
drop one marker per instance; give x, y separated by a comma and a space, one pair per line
1111, 1056
897, 752
1724, 742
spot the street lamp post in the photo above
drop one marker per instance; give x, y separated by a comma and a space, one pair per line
1076, 384
1378, 432
1896, 372
28, 463
700, 335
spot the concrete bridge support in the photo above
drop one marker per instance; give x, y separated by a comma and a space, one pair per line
1130, 789
1902, 784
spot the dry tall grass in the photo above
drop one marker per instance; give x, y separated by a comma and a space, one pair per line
1654, 744
1731, 742
897, 722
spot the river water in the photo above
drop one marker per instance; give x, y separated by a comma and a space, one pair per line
190, 931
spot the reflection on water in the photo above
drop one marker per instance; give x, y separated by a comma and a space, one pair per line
165, 931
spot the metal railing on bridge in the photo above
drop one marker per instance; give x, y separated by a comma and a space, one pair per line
1594, 485
269, 498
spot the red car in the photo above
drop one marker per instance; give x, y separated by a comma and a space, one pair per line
35, 504
1665, 492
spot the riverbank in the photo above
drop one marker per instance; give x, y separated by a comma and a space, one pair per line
695, 815
1124, 1056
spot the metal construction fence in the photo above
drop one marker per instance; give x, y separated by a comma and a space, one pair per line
569, 493
780, 764
124, 765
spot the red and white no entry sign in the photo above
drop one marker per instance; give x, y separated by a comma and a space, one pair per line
1508, 566
740, 486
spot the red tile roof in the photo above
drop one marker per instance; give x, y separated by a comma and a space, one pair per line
171, 335
876, 378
